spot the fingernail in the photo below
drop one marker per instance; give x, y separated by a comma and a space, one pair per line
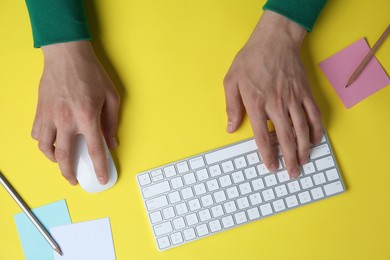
295, 173
102, 180
303, 160
230, 126
114, 142
273, 167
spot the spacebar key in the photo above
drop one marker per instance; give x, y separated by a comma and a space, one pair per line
156, 189
231, 151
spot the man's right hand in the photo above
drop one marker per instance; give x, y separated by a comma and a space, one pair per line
76, 96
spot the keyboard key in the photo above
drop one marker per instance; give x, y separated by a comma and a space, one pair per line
253, 213
156, 189
255, 199
163, 228
212, 185
293, 186
308, 168
206, 200
240, 217
306, 182
283, 176
278, 205
304, 197
182, 167
225, 181
200, 189
204, 215
253, 158
219, 196
227, 166
202, 230
291, 201
170, 171
197, 163
215, 170
194, 204
250, 173
192, 219
169, 213
174, 197
240, 162
245, 188
317, 193
231, 151
319, 151
319, 178
230, 207
333, 188
270, 180
189, 234
227, 221
144, 179
202, 175
157, 175
215, 225
238, 177
217, 211
332, 175
181, 208
156, 203
324, 163
179, 223
187, 193
189, 178
176, 238
155, 217
163, 242
177, 182
242, 203
268, 194
266, 209
261, 169
232, 192
281, 190
258, 184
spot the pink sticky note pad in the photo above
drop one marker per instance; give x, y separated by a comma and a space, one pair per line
339, 68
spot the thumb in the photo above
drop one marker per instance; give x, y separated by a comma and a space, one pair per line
234, 107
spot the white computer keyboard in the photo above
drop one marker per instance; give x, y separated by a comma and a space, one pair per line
227, 187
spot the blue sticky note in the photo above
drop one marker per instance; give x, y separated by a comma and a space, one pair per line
34, 245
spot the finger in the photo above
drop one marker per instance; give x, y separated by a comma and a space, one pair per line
287, 141
46, 139
302, 132
110, 119
64, 153
314, 119
234, 107
259, 125
97, 153
37, 125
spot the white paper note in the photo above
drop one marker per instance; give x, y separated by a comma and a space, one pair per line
85, 240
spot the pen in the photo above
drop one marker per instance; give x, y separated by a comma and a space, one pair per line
369, 56
29, 214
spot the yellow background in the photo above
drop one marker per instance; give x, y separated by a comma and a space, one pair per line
168, 59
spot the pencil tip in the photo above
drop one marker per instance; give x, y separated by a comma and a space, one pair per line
58, 250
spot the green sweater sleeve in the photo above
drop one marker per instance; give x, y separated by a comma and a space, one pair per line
303, 12
55, 21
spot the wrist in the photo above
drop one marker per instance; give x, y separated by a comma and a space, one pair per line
278, 30
63, 51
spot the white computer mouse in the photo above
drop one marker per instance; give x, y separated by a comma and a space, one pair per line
85, 172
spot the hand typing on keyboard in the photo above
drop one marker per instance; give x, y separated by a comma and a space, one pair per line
268, 80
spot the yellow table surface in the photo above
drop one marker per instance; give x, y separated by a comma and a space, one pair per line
168, 59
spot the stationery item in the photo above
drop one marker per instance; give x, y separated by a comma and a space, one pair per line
369, 56
341, 65
29, 214
33, 244
85, 240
